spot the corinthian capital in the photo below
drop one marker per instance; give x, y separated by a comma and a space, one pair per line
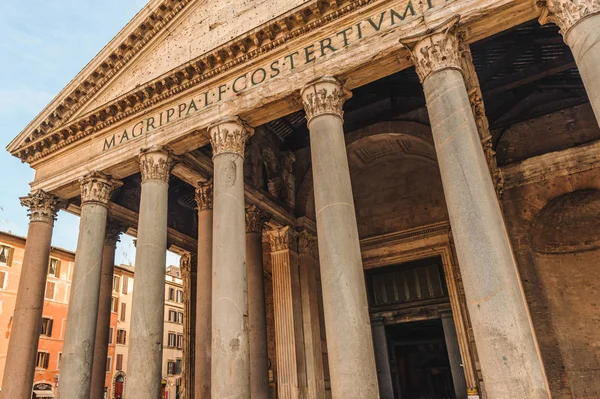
307, 244
229, 136
155, 164
43, 206
283, 239
435, 50
114, 229
566, 13
255, 218
204, 195
324, 96
97, 187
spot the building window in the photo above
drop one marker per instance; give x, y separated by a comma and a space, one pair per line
172, 342
172, 316
180, 317
121, 337
119, 363
50, 287
116, 283
114, 304
43, 358
54, 267
179, 341
6, 254
178, 366
46, 327
171, 367
123, 311
110, 335
179, 296
171, 294
125, 285
58, 361
108, 364
3, 275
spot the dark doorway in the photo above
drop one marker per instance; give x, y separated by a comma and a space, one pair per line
419, 360
119, 382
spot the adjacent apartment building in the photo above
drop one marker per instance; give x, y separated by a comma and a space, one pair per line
60, 272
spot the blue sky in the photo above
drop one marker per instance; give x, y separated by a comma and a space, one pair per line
43, 45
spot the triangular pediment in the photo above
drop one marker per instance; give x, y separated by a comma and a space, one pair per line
168, 44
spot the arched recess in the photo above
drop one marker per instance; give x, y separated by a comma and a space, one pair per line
565, 237
119, 377
395, 179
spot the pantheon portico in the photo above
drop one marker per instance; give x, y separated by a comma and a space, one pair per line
372, 198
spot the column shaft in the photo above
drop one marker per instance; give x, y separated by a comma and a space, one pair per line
147, 314
113, 231
313, 352
204, 199
579, 21
386, 389
349, 341
257, 319
230, 362
506, 344
26, 324
78, 348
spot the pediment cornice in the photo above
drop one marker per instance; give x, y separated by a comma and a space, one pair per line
57, 131
108, 63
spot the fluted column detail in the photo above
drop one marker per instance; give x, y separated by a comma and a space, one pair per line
230, 357
506, 344
27, 318
147, 314
80, 335
204, 201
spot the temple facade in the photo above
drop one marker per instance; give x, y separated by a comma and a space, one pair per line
372, 199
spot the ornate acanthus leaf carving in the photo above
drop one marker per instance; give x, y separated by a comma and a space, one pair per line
307, 244
283, 239
97, 187
436, 50
156, 164
229, 136
114, 229
204, 195
255, 219
43, 206
566, 13
325, 96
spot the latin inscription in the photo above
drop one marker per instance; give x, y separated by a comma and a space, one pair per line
307, 55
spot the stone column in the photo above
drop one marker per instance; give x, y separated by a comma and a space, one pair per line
230, 363
313, 352
257, 319
188, 276
579, 22
27, 318
148, 305
113, 231
78, 347
382, 359
287, 310
204, 200
456, 364
349, 341
506, 343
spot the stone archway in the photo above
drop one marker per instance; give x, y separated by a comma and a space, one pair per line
565, 237
119, 382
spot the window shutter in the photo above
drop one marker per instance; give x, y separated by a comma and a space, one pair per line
125, 284
119, 362
46, 360
57, 268
123, 310
50, 321
11, 252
